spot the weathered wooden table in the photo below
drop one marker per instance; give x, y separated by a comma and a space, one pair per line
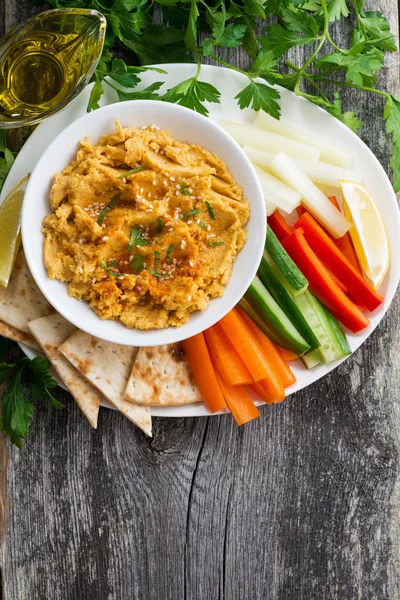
303, 504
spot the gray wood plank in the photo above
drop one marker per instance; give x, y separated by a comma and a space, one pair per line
300, 505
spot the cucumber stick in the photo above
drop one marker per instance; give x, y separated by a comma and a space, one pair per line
273, 316
295, 278
250, 312
333, 342
285, 300
312, 359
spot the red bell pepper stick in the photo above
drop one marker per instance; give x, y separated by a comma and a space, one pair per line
301, 210
336, 262
279, 226
322, 284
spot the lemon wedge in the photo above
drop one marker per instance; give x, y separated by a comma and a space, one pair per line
10, 236
368, 231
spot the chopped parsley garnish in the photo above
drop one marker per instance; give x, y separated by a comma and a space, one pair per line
137, 263
189, 213
202, 224
214, 244
112, 263
108, 270
210, 210
136, 238
169, 252
132, 171
107, 208
155, 272
160, 225
183, 189
157, 258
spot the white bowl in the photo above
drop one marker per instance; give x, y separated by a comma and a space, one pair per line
184, 125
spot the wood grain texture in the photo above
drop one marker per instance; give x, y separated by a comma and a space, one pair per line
301, 505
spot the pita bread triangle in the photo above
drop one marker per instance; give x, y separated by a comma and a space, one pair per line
22, 301
51, 332
161, 376
107, 366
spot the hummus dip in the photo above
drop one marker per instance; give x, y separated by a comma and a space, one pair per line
144, 228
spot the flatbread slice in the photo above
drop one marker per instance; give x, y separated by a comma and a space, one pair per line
51, 332
22, 301
18, 336
161, 376
107, 366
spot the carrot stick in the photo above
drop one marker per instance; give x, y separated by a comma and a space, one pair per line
345, 244
225, 358
239, 403
199, 360
287, 355
261, 391
272, 354
245, 345
279, 226
272, 383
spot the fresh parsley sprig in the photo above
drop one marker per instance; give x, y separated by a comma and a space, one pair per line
6, 158
224, 24
28, 383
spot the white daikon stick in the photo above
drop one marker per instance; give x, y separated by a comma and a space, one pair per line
312, 198
270, 142
330, 153
276, 192
319, 172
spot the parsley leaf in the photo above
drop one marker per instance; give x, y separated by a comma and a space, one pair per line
192, 93
392, 117
360, 67
215, 244
95, 94
132, 171
191, 31
136, 238
260, 96
190, 213
16, 410
108, 270
374, 27
160, 225
137, 263
107, 208
7, 160
210, 210
26, 378
264, 61
280, 40
149, 93
300, 21
170, 250
348, 118
230, 36
158, 44
183, 189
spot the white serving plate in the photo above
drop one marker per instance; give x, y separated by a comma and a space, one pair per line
299, 111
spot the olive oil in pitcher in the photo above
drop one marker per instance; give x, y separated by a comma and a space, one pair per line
48, 63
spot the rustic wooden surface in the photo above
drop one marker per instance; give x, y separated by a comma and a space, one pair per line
301, 505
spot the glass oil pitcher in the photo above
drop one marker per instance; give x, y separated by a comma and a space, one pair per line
46, 62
